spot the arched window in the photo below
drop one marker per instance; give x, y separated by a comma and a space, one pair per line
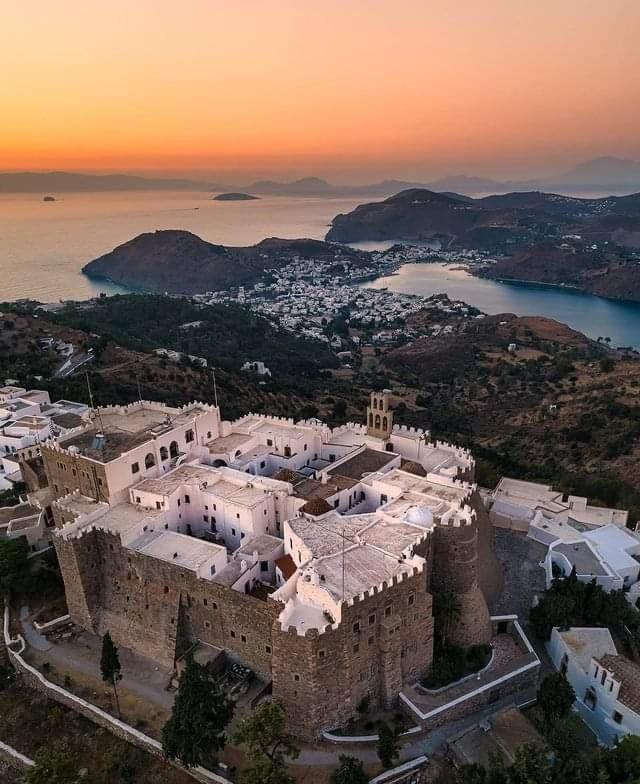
149, 460
375, 402
377, 421
370, 420
173, 449
384, 423
164, 453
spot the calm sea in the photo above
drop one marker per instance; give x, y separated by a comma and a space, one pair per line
43, 246
593, 316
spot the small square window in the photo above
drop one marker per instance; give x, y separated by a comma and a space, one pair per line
232, 633
411, 600
135, 468
617, 717
372, 619
296, 677
356, 627
267, 649
243, 637
322, 653
387, 610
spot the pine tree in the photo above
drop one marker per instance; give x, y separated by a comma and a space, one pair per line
350, 771
555, 698
110, 666
268, 746
388, 745
201, 711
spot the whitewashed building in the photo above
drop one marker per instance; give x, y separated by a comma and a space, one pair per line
607, 685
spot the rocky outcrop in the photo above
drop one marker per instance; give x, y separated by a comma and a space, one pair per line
235, 197
179, 262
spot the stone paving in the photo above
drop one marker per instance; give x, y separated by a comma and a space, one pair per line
524, 578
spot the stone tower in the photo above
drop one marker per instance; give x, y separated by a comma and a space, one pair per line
455, 570
379, 417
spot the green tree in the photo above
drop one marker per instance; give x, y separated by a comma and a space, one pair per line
268, 745
623, 761
110, 666
52, 766
350, 771
555, 698
201, 711
388, 745
471, 773
13, 563
531, 765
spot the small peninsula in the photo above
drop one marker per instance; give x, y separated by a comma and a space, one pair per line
235, 197
179, 262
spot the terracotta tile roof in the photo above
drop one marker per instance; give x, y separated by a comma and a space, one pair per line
411, 467
286, 566
316, 507
287, 475
314, 488
627, 673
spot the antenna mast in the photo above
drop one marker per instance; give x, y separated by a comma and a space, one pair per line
215, 387
93, 408
343, 563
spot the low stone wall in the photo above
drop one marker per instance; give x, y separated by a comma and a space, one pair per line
36, 680
523, 678
13, 759
43, 627
519, 683
412, 772
405, 737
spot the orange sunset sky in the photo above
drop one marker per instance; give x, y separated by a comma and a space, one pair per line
348, 89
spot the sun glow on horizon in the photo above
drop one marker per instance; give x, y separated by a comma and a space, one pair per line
385, 86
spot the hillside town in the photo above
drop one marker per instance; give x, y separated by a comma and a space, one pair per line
306, 295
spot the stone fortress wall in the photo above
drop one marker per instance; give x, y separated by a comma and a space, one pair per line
384, 638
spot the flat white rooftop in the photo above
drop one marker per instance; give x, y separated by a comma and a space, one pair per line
364, 567
179, 549
183, 475
588, 643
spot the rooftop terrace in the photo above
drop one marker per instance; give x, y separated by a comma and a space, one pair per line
125, 428
368, 461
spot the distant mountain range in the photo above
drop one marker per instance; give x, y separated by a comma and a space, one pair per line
607, 175
497, 222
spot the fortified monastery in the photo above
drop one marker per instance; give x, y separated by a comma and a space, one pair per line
308, 554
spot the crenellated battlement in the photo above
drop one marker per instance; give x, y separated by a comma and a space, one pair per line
414, 432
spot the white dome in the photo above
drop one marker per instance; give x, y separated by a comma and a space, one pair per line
419, 515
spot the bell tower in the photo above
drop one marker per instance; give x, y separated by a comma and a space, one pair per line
379, 417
